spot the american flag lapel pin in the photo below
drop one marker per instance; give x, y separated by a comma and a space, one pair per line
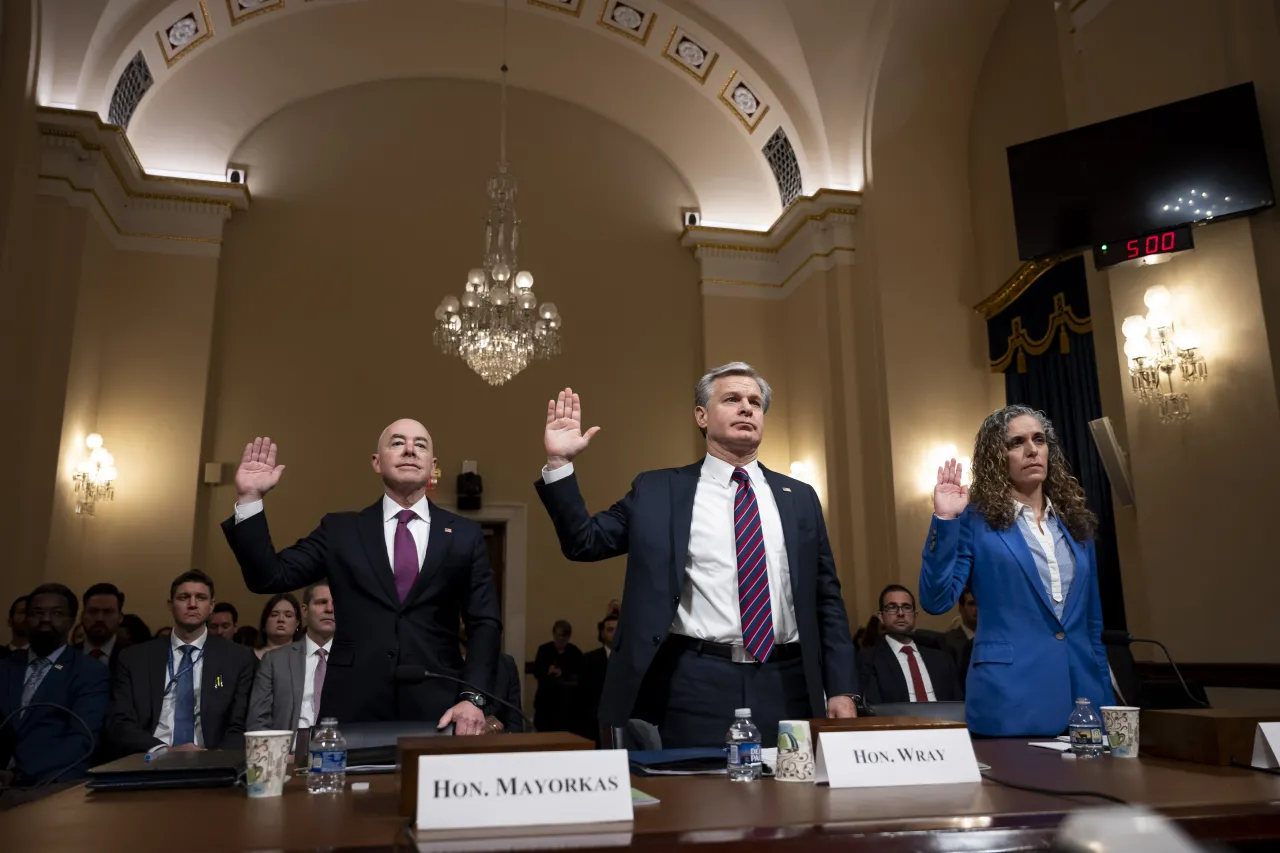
58, 666
786, 488
448, 530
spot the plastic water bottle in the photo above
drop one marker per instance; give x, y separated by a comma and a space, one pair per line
743, 744
328, 773
1085, 727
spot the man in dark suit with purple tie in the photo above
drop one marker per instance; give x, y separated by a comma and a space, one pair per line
402, 572
731, 597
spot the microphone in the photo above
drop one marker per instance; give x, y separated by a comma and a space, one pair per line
410, 674
93, 740
1124, 638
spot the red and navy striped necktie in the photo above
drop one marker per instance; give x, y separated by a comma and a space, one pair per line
753, 574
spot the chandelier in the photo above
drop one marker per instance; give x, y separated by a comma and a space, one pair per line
497, 326
1156, 352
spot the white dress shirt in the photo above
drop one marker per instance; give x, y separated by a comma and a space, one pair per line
164, 729
897, 648
307, 715
106, 647
419, 527
709, 608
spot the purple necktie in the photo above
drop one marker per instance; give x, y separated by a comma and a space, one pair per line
406, 554
317, 683
753, 572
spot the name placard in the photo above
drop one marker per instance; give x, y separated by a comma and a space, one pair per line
887, 757
1266, 745
523, 789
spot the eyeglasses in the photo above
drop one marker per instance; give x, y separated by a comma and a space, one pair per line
899, 608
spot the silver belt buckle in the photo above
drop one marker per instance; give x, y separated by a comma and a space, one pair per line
741, 655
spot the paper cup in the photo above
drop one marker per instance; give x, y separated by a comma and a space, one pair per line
266, 759
795, 752
1121, 723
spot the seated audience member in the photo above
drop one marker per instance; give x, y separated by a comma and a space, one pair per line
280, 624
246, 635
224, 620
899, 670
133, 630
591, 682
45, 745
17, 627
186, 691
871, 633
287, 688
103, 608
556, 667
506, 684
959, 640
164, 631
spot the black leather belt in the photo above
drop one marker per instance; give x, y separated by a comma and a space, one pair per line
728, 651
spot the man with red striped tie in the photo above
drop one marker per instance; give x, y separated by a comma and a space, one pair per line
731, 598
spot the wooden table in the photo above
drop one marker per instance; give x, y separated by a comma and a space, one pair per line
1239, 806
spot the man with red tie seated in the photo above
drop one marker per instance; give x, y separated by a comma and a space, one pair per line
731, 598
896, 669
402, 571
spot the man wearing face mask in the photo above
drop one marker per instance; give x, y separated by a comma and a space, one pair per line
55, 684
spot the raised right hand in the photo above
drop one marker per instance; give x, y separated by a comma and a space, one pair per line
258, 472
950, 497
563, 437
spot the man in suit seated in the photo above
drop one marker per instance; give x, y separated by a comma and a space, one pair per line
959, 640
897, 669
103, 609
45, 744
287, 688
506, 685
224, 621
189, 690
595, 664
17, 627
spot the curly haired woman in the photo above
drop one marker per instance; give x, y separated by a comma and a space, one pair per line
1022, 538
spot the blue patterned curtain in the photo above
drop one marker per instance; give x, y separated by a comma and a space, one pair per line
1041, 339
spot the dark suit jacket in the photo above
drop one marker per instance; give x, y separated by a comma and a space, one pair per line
507, 685
957, 642
44, 741
883, 681
137, 694
556, 700
595, 664
651, 526
375, 632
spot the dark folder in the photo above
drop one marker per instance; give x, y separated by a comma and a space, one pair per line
214, 768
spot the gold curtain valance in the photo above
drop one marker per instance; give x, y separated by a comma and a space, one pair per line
1062, 320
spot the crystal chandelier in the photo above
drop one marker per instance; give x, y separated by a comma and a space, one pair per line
1155, 351
497, 327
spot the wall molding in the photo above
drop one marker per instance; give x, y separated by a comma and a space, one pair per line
814, 234
90, 164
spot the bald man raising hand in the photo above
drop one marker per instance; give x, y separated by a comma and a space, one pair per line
402, 572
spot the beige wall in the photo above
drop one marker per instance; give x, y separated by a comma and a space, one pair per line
328, 285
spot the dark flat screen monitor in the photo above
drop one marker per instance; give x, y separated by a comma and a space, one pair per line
1192, 161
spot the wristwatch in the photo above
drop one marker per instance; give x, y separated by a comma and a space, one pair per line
476, 699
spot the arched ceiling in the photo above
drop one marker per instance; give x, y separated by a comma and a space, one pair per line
810, 64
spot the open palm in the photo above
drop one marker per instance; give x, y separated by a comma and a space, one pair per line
258, 472
950, 496
563, 437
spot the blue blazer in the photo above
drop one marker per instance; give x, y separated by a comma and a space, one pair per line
44, 741
1028, 666
651, 526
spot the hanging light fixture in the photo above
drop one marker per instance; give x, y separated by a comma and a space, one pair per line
497, 326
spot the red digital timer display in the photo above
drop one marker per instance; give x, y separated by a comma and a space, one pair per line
1156, 243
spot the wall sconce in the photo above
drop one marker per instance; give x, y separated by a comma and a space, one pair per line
94, 476
802, 471
1153, 347
934, 459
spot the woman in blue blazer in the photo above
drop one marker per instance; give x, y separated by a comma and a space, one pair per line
1025, 546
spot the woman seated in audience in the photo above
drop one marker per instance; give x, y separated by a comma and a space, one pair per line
132, 630
1025, 547
279, 625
